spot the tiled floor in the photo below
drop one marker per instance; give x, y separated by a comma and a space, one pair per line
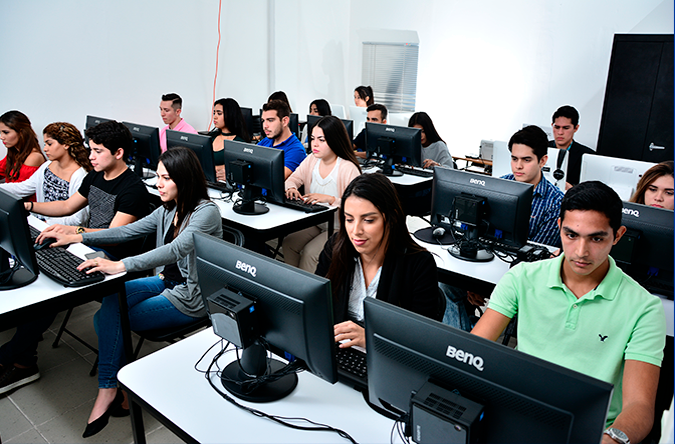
55, 408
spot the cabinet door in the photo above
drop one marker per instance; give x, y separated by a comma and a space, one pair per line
660, 130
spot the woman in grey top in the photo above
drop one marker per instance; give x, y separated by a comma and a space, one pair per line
169, 299
434, 150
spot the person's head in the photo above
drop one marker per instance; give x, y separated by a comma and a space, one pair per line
529, 148
377, 113
19, 138
330, 133
109, 141
64, 139
363, 96
565, 123
422, 121
227, 117
280, 95
170, 108
590, 224
275, 118
320, 107
655, 187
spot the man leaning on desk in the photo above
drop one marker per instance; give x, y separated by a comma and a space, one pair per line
582, 312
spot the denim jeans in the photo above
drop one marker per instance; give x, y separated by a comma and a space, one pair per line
455, 309
148, 310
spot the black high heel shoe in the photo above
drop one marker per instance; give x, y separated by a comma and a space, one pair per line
99, 423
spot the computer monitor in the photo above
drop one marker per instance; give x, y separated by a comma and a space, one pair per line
201, 145
90, 122
291, 314
15, 241
458, 387
645, 252
146, 148
622, 175
247, 114
397, 144
359, 115
311, 121
260, 170
475, 208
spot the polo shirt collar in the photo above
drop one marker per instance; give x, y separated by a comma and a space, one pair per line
607, 289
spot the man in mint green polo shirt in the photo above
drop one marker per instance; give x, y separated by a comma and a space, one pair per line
582, 312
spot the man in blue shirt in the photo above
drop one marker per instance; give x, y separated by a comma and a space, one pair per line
275, 117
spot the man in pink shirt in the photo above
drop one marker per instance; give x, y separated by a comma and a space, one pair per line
170, 108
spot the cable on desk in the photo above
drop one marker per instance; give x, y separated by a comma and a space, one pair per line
399, 427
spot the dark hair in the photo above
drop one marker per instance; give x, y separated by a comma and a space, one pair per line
365, 91
594, 196
337, 138
567, 111
281, 107
68, 135
176, 101
322, 106
280, 95
378, 190
660, 169
428, 127
27, 142
378, 107
186, 172
112, 135
234, 119
534, 137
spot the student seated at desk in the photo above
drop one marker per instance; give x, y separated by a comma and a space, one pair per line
227, 118
169, 299
582, 312
363, 96
318, 107
655, 187
565, 123
325, 174
373, 255
170, 108
23, 149
275, 119
434, 150
377, 113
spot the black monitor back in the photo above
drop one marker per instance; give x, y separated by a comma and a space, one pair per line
401, 142
247, 114
268, 167
15, 239
146, 146
201, 145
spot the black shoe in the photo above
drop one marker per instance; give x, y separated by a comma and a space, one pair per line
13, 377
99, 423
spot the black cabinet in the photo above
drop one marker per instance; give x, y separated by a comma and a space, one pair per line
637, 116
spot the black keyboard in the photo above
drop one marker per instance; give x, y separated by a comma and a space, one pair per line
352, 367
61, 265
221, 186
415, 171
301, 205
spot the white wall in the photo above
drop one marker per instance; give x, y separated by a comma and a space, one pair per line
485, 67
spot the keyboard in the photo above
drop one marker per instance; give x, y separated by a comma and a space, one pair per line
301, 205
221, 186
416, 171
352, 367
61, 265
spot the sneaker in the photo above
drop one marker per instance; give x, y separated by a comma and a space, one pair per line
13, 377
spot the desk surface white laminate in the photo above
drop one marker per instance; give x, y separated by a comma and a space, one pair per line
167, 381
405, 179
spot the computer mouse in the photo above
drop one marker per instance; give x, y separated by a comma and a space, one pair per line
45, 243
438, 232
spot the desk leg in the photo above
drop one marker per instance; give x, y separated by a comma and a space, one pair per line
124, 320
137, 426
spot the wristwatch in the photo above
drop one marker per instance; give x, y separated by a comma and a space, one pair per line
80, 230
617, 435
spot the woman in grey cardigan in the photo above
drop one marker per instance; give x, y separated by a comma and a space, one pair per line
172, 298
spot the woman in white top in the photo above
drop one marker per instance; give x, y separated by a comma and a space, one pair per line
61, 176
325, 175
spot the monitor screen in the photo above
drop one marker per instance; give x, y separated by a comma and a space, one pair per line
201, 145
260, 170
476, 208
311, 121
397, 144
458, 387
622, 175
90, 122
645, 252
247, 114
146, 148
292, 313
15, 241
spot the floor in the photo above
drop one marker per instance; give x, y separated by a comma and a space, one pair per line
55, 408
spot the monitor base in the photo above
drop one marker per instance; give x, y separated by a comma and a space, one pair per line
19, 278
427, 235
266, 392
250, 208
390, 172
480, 255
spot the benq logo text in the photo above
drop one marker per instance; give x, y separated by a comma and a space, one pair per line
477, 182
465, 357
246, 268
631, 212
248, 150
184, 138
391, 130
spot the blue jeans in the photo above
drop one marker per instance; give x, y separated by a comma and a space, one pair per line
148, 310
455, 309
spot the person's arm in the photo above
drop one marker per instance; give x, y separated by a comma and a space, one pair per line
60, 207
639, 384
299, 177
27, 187
490, 325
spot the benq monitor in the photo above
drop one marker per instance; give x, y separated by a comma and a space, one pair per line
481, 208
201, 145
15, 241
311, 121
291, 313
146, 149
397, 144
260, 170
247, 114
457, 387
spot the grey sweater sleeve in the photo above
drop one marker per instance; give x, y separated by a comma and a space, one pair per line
438, 152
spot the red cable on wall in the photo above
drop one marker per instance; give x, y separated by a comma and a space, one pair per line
215, 77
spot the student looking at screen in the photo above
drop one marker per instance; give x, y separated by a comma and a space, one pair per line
373, 255
363, 96
275, 118
23, 149
170, 108
325, 174
434, 150
377, 113
170, 299
227, 118
655, 187
565, 123
318, 107
582, 312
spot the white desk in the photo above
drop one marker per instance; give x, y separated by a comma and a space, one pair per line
405, 179
166, 384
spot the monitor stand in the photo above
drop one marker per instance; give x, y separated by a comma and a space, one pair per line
427, 235
12, 278
389, 169
248, 206
469, 248
142, 172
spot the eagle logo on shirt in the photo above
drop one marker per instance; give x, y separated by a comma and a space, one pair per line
602, 338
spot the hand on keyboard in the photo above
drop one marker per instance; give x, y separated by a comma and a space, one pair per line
351, 331
105, 266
